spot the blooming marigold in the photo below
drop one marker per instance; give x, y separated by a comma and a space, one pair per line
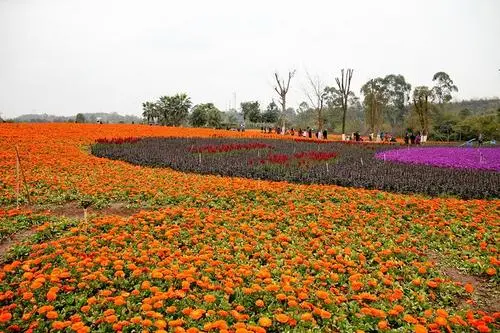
469, 287
5, 317
265, 322
196, 314
383, 325
306, 316
58, 325
410, 319
420, 329
209, 298
176, 323
259, 303
160, 324
51, 315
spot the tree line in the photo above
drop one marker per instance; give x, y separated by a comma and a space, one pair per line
388, 104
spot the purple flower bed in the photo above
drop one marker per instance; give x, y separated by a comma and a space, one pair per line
448, 157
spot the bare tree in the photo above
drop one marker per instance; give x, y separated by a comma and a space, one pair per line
344, 88
317, 97
282, 90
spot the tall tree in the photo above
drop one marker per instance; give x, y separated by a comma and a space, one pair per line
344, 85
422, 100
272, 113
173, 109
80, 118
282, 90
199, 116
251, 111
375, 101
214, 116
443, 88
398, 94
150, 111
317, 97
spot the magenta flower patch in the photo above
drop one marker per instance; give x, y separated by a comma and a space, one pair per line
447, 157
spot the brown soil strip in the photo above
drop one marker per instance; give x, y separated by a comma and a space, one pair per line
486, 294
8, 243
71, 210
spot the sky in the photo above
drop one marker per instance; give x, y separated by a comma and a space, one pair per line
63, 57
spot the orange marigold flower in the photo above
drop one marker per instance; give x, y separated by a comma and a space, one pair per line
259, 303
160, 324
306, 316
383, 325
265, 322
196, 314
111, 319
441, 321
5, 317
58, 325
51, 315
176, 323
410, 319
321, 294
442, 313
469, 287
420, 329
209, 298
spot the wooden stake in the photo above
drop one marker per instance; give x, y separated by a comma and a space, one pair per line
26, 189
18, 179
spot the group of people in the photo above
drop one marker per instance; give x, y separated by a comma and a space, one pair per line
411, 138
307, 133
382, 137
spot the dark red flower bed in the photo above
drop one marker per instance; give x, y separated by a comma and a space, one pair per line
225, 148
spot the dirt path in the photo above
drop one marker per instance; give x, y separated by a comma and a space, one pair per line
71, 210
486, 294
8, 243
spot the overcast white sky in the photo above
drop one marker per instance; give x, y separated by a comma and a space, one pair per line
67, 56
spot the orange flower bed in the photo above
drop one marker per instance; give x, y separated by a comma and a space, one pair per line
233, 255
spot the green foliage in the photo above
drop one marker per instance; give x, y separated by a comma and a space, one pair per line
80, 118
422, 103
375, 101
272, 113
398, 91
444, 87
206, 115
168, 110
251, 111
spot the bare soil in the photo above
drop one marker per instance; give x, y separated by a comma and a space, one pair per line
71, 210
486, 294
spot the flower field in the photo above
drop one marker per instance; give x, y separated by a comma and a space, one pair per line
215, 253
312, 161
